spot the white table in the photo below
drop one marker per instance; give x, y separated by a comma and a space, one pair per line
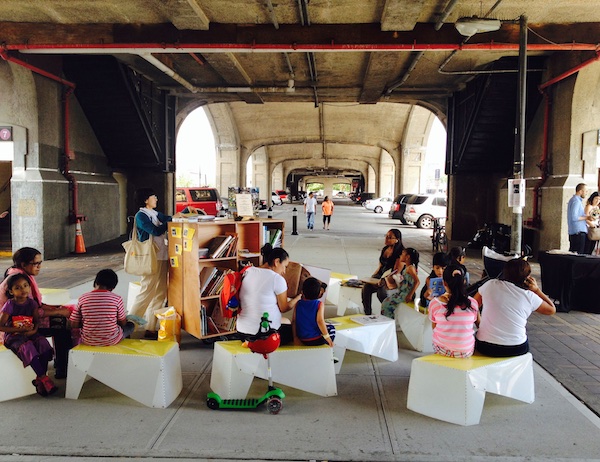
378, 338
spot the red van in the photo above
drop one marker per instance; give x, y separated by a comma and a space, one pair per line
207, 199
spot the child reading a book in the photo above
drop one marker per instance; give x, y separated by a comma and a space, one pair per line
19, 321
405, 279
308, 322
101, 314
433, 284
452, 316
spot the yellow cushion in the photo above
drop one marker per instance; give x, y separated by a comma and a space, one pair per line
235, 347
464, 364
132, 347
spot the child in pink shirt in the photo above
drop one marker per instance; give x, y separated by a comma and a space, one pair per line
453, 315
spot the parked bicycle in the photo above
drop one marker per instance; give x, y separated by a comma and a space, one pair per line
439, 240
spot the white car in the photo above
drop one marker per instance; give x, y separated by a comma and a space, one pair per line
421, 209
276, 199
379, 205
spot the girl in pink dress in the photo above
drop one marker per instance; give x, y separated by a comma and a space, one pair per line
19, 321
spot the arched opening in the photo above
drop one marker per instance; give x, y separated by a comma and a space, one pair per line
195, 154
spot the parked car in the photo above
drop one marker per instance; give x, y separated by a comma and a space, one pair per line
421, 209
360, 198
275, 200
379, 205
399, 207
340, 194
283, 194
203, 198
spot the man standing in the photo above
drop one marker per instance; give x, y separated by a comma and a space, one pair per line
310, 207
576, 220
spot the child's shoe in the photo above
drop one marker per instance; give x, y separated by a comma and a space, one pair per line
48, 384
39, 387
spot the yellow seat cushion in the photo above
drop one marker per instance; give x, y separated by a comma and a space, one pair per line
131, 347
464, 364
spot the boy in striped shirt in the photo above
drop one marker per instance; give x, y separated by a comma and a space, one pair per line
101, 314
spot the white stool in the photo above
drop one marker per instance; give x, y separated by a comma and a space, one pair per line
333, 289
309, 369
56, 296
453, 389
144, 370
15, 380
416, 327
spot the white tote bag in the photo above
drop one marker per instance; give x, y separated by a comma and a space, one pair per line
140, 257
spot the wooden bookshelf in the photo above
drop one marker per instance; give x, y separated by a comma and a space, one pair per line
188, 273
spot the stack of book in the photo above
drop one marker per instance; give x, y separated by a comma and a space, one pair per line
221, 323
223, 246
213, 281
272, 236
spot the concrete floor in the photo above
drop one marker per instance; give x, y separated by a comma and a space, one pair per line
368, 420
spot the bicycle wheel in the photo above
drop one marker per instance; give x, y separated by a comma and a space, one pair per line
443, 243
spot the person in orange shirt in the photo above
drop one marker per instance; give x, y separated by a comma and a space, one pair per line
327, 207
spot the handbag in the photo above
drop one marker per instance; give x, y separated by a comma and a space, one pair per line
140, 257
594, 234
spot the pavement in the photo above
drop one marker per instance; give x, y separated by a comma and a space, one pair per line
367, 420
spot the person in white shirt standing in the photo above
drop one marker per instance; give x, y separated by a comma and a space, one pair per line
310, 208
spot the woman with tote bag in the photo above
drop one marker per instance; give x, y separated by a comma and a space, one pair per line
151, 224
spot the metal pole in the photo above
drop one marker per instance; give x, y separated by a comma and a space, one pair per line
294, 222
519, 154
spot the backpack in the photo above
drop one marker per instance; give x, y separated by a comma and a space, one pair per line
229, 297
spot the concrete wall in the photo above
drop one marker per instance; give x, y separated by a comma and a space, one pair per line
41, 199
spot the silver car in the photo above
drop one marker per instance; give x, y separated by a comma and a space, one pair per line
421, 209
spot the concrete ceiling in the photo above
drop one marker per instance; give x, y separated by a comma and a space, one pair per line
300, 72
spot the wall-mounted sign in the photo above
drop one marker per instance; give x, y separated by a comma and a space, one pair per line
516, 193
5, 133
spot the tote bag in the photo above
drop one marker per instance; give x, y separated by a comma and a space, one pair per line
594, 234
140, 257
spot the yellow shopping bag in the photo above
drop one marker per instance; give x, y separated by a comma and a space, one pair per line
170, 325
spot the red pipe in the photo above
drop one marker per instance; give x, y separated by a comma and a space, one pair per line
543, 165
316, 47
74, 215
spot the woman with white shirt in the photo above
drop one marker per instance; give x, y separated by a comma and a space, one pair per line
506, 304
264, 290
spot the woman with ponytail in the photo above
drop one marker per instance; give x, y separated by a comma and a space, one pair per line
453, 315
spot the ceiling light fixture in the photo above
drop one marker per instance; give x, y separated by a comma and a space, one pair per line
474, 25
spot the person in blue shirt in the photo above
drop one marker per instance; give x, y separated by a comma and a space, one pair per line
576, 220
151, 224
308, 321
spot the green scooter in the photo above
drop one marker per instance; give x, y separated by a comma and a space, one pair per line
265, 342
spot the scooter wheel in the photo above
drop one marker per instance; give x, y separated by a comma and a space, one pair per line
212, 403
274, 405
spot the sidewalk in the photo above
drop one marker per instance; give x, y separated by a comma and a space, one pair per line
368, 420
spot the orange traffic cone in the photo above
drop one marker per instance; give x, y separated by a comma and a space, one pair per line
79, 245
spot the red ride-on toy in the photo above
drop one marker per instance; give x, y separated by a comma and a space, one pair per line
265, 342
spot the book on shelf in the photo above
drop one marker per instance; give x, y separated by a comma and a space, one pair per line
214, 282
276, 238
209, 274
222, 323
218, 246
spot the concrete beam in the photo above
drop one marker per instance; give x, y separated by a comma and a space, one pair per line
399, 15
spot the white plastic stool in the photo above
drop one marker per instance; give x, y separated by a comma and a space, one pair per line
453, 389
144, 370
15, 380
416, 327
56, 296
309, 369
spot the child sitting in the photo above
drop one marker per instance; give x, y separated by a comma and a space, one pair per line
452, 316
19, 321
405, 279
457, 257
101, 314
308, 322
439, 263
